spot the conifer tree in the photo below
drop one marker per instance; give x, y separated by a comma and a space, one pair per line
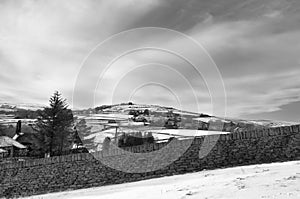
56, 125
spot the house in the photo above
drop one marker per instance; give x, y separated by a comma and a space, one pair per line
11, 148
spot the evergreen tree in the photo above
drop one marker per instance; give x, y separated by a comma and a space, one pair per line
55, 124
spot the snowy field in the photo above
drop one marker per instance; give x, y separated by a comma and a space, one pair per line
158, 134
278, 180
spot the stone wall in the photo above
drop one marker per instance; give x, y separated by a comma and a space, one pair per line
89, 170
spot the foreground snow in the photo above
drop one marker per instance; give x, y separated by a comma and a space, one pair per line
278, 180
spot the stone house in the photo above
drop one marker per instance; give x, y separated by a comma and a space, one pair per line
11, 148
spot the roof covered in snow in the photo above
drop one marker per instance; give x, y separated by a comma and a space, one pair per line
7, 142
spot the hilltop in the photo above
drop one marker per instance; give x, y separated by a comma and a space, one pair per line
124, 109
163, 122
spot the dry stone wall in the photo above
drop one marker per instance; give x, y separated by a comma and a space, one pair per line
78, 171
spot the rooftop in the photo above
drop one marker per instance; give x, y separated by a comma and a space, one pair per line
7, 142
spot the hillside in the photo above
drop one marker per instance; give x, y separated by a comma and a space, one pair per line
10, 107
125, 108
126, 111
162, 122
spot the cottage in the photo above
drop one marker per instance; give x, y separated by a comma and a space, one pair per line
10, 147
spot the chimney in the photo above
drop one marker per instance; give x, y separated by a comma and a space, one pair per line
18, 130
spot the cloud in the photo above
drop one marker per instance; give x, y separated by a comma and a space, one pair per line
44, 42
255, 45
259, 64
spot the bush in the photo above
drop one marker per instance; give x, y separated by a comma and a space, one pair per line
135, 140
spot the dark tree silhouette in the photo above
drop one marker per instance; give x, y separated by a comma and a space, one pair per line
2, 130
146, 112
126, 140
55, 123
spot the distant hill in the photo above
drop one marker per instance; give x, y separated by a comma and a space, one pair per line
188, 120
10, 107
163, 122
18, 111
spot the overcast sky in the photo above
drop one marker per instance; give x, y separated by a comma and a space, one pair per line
254, 43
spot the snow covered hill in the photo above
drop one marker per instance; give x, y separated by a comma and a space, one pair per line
276, 181
125, 108
122, 116
13, 107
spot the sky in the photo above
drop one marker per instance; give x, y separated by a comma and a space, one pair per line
51, 45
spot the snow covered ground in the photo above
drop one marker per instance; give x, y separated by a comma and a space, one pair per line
158, 134
278, 180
